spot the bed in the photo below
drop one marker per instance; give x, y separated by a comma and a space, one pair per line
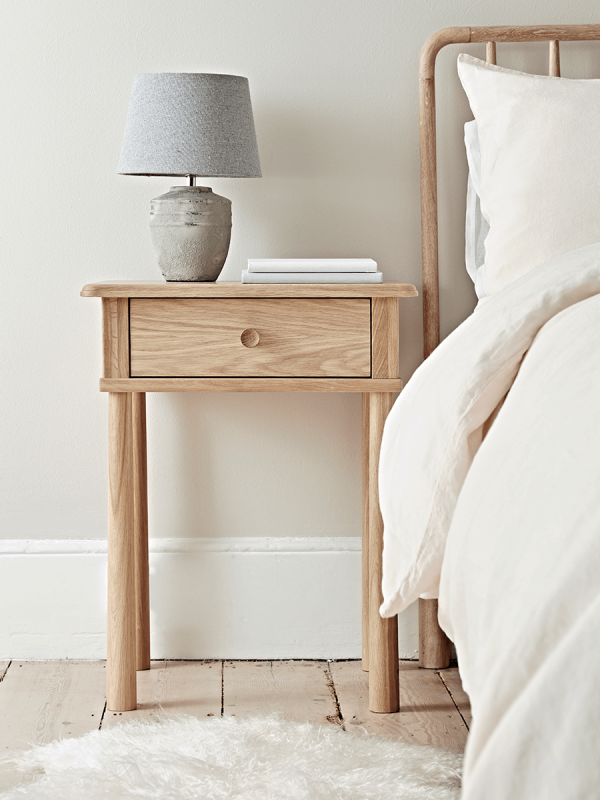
490, 459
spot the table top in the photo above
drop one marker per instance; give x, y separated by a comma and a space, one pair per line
237, 289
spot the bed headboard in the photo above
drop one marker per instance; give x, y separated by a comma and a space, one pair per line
434, 648
429, 225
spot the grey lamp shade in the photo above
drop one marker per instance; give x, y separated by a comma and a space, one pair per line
190, 124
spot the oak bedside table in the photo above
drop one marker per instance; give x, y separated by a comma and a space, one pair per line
234, 337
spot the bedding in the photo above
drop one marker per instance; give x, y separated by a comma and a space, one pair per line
490, 496
520, 587
540, 166
439, 420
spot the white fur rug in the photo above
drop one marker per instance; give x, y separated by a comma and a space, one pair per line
263, 758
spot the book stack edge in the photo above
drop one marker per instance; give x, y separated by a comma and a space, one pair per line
311, 270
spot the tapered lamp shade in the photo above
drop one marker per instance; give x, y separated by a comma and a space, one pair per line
190, 124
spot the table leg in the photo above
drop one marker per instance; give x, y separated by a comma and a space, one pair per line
140, 506
384, 694
121, 654
365, 531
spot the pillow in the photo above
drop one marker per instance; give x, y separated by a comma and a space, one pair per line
540, 166
476, 226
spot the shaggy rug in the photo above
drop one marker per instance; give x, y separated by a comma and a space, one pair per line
263, 758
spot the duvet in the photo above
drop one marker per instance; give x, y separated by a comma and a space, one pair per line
490, 494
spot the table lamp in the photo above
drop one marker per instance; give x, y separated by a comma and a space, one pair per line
188, 125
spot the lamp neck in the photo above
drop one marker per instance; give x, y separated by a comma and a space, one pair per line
191, 180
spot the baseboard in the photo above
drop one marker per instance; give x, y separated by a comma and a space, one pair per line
210, 598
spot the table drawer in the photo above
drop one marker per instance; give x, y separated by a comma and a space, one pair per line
245, 337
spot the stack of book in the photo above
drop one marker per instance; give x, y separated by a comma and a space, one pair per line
311, 270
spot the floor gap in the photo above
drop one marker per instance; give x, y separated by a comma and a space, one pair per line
222, 688
102, 717
335, 719
5, 671
447, 688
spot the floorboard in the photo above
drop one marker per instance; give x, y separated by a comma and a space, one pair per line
427, 713
174, 687
44, 701
298, 690
453, 683
41, 701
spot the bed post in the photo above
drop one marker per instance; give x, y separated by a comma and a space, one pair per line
434, 646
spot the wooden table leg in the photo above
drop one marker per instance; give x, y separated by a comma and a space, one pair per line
140, 507
365, 531
121, 653
384, 693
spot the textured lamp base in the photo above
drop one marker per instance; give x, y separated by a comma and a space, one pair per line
191, 230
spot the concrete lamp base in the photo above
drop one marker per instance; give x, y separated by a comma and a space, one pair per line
191, 230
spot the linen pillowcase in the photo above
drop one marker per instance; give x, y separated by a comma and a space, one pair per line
540, 166
476, 226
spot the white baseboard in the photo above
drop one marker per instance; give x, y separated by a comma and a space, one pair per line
210, 598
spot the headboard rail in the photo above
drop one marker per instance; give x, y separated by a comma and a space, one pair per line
429, 218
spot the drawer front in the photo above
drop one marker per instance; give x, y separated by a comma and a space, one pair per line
303, 337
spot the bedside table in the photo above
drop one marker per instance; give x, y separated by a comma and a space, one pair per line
234, 337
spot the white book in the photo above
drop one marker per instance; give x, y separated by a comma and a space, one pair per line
311, 277
312, 265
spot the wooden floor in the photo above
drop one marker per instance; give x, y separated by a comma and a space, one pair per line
45, 700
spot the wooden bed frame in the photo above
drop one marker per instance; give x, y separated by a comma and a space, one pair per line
434, 647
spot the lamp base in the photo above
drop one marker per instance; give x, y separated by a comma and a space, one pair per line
191, 230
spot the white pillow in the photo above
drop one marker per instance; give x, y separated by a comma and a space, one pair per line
540, 166
476, 226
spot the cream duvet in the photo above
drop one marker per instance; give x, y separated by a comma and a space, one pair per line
490, 494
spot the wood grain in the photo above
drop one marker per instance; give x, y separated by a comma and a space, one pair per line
365, 532
386, 337
235, 289
435, 43
304, 337
535, 33
434, 645
140, 528
121, 607
115, 338
169, 687
453, 683
554, 59
250, 385
298, 690
429, 217
41, 701
109, 328
383, 633
427, 714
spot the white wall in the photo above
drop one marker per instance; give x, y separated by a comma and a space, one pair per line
334, 89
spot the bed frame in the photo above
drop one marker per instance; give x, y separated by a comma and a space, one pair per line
434, 647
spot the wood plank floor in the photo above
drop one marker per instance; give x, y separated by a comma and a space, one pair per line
45, 700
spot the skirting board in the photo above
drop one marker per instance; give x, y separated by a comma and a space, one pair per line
237, 598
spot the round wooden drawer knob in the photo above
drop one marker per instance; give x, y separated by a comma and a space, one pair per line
250, 337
